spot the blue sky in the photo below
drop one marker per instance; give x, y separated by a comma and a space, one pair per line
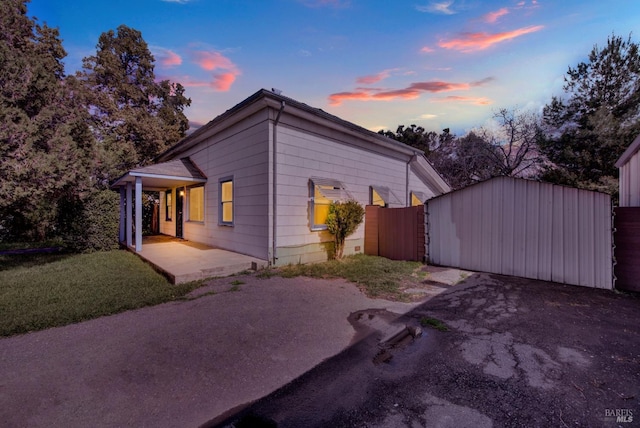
377, 63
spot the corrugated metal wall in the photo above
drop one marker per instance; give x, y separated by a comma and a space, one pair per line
524, 228
630, 182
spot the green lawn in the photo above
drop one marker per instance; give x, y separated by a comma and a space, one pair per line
376, 276
39, 291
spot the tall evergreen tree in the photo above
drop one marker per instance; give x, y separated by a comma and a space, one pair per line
597, 118
134, 118
46, 148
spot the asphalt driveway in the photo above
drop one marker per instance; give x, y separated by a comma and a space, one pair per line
517, 353
179, 364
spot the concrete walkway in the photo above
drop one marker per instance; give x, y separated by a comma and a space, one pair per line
183, 261
182, 363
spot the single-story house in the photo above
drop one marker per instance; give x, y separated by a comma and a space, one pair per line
629, 167
259, 178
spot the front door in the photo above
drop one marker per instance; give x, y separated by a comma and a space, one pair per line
179, 211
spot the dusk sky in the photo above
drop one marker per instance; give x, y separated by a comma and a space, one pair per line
438, 64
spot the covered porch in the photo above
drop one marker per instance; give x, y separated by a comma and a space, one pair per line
158, 177
184, 261
178, 259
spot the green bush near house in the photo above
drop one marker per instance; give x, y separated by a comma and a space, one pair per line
47, 290
91, 224
342, 221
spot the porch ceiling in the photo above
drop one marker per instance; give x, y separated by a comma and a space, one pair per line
181, 172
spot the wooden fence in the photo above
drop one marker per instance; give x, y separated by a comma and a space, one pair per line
627, 247
395, 233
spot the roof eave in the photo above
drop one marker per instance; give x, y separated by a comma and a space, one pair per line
628, 154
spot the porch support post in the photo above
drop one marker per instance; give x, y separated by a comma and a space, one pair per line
122, 214
138, 214
129, 225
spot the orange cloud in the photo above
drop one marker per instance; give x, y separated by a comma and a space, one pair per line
492, 17
411, 92
222, 82
472, 42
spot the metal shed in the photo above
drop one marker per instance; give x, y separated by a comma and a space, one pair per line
524, 228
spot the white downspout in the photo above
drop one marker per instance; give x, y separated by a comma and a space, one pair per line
406, 191
274, 224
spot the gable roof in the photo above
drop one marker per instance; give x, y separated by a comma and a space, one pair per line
164, 175
264, 98
631, 150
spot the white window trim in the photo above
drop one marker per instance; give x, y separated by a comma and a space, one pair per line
168, 208
343, 194
233, 203
204, 211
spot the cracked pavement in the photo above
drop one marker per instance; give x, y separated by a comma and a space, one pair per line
518, 352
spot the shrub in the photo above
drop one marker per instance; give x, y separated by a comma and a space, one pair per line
93, 224
342, 221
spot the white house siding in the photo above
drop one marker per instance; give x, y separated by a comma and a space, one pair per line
241, 151
524, 228
417, 185
317, 152
630, 182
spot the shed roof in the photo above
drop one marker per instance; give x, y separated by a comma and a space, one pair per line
631, 150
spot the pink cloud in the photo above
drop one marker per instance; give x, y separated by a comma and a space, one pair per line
413, 91
212, 60
472, 100
222, 82
472, 42
427, 49
374, 78
166, 58
492, 17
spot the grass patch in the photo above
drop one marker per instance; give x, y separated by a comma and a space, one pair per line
433, 323
237, 282
377, 276
47, 290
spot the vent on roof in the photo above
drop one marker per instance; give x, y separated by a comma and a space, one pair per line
276, 91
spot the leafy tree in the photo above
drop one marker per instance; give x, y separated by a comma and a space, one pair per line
134, 118
45, 145
342, 221
597, 118
414, 136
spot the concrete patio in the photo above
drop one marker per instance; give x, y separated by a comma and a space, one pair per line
183, 261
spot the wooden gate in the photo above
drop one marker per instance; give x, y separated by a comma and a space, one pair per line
395, 233
627, 247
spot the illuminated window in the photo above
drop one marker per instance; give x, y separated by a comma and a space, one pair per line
168, 204
196, 203
322, 192
417, 198
226, 201
376, 199
383, 196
